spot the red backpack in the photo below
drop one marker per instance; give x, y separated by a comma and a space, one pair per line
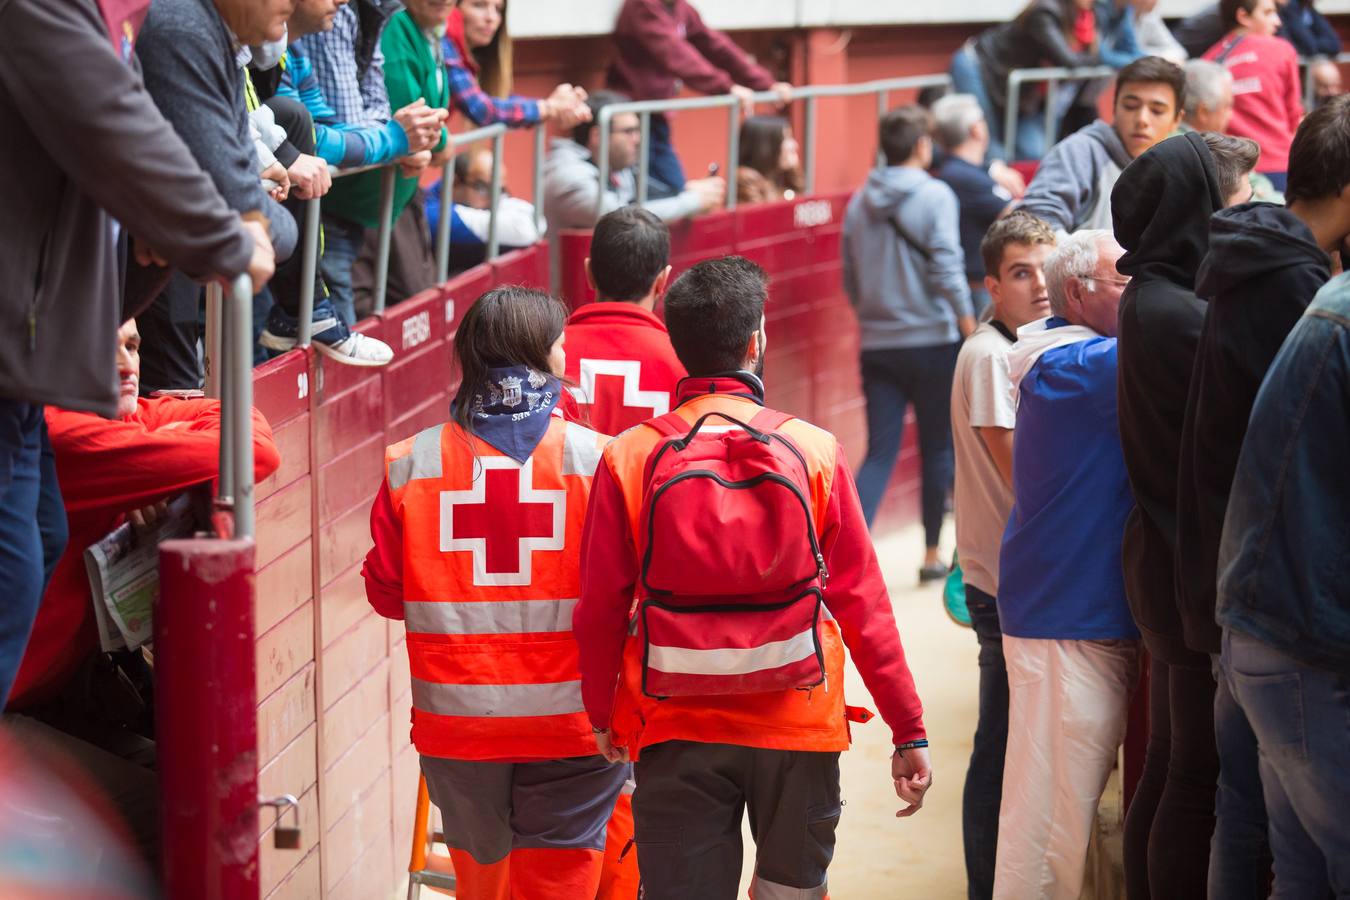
732, 573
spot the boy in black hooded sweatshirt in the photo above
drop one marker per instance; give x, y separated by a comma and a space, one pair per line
1264, 265
1161, 208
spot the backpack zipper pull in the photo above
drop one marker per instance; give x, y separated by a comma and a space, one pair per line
821, 569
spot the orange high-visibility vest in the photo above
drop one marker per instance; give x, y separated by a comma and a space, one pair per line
490, 578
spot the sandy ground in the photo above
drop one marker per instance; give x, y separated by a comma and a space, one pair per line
880, 857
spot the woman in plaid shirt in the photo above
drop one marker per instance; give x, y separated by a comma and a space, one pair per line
477, 53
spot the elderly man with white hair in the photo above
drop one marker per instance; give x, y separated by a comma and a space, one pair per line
1071, 648
1209, 97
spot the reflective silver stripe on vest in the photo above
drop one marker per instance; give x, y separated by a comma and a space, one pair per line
581, 450
423, 462
762, 889
489, 617
497, 700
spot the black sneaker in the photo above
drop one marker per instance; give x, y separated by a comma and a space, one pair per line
933, 572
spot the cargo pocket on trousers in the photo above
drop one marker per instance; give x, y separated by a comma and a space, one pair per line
660, 860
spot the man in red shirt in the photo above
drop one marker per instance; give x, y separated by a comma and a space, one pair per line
112, 470
661, 44
620, 364
701, 758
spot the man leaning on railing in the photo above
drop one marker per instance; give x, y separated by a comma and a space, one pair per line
572, 179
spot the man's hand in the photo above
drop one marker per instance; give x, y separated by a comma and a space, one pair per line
912, 772
310, 177
421, 123
276, 173
784, 92
605, 741
746, 96
411, 166
712, 192
443, 155
966, 325
1008, 178
144, 519
264, 261
146, 255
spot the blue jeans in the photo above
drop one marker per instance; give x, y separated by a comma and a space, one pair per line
662, 164
21, 545
51, 516
968, 79
1239, 855
342, 242
892, 379
984, 779
1301, 718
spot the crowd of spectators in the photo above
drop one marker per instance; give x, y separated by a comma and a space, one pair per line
1084, 353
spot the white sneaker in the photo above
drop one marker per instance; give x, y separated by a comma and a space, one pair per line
358, 350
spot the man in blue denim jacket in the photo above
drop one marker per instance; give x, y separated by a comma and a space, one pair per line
1284, 595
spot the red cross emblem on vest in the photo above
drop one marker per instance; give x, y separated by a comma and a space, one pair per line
657, 403
502, 520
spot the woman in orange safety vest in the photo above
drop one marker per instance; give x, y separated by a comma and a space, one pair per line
477, 532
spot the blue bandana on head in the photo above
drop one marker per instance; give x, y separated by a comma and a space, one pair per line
512, 410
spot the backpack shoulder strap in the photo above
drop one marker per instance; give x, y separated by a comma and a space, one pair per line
769, 420
670, 425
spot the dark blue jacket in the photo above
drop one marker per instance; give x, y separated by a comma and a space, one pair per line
1284, 569
1308, 30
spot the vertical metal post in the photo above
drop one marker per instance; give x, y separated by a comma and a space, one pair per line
809, 145
644, 156
493, 239
309, 264
206, 717
1010, 116
443, 223
883, 107
225, 367
1309, 85
733, 151
237, 401
540, 151
211, 341
602, 163
1051, 111
386, 230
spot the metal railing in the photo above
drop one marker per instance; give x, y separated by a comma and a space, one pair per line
1052, 77
310, 235
808, 95
229, 377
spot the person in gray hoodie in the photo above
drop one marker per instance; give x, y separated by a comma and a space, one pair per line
1072, 187
572, 178
905, 276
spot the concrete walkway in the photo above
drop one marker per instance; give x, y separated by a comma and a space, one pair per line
880, 857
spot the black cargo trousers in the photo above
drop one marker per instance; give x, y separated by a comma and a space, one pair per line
688, 807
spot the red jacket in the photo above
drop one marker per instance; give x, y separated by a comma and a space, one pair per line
621, 364
106, 469
1267, 94
658, 44
860, 619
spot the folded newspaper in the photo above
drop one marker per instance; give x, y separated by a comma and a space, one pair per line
123, 572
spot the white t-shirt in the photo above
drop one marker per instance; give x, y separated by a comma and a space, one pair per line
982, 397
